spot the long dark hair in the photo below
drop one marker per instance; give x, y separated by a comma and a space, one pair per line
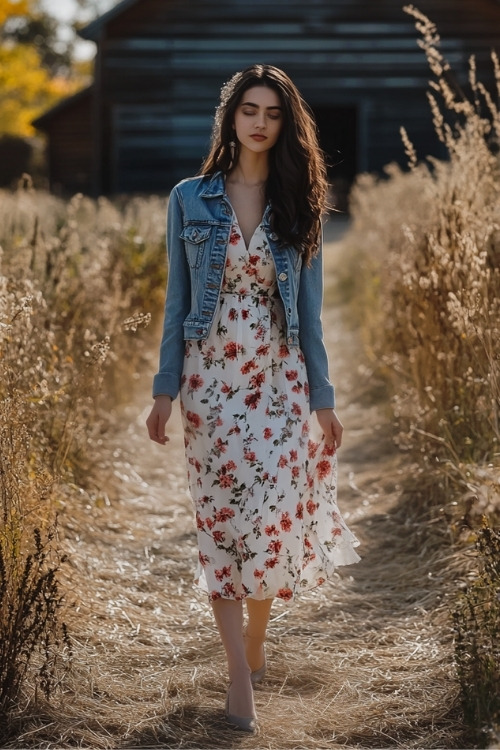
297, 184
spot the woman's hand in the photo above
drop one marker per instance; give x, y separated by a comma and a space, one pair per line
331, 425
158, 418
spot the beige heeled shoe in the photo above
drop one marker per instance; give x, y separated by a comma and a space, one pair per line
244, 723
258, 675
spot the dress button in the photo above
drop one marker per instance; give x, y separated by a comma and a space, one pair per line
283, 276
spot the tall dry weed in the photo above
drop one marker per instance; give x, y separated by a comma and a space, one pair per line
431, 290
76, 282
427, 242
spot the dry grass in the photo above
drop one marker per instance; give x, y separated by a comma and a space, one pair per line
361, 662
428, 301
71, 286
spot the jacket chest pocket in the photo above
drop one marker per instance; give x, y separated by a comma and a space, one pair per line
195, 241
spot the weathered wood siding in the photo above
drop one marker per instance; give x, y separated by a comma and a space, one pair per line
69, 148
161, 64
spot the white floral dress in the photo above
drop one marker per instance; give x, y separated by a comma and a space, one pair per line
264, 490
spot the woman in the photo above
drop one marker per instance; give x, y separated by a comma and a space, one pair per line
243, 344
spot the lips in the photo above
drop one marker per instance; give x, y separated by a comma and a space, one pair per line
258, 137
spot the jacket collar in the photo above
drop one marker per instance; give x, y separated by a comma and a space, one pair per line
215, 187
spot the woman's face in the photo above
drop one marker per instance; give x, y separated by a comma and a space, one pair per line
258, 119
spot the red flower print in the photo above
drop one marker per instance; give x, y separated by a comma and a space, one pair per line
249, 455
305, 429
230, 466
284, 351
271, 562
262, 350
194, 462
195, 382
254, 259
210, 523
235, 236
321, 580
252, 399
205, 499
293, 455
311, 507
291, 374
306, 389
285, 594
295, 472
337, 531
228, 590
220, 446
328, 449
307, 543
224, 572
245, 314
225, 388
271, 530
232, 314
312, 448
297, 388
259, 573
224, 514
283, 461
226, 480
214, 595
234, 430
296, 409
246, 367
195, 419
232, 349
199, 521
268, 433
299, 513
218, 536
204, 559
286, 521
275, 546
258, 379
324, 468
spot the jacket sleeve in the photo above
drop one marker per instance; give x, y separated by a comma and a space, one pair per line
177, 305
309, 305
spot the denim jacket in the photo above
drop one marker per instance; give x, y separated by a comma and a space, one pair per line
198, 227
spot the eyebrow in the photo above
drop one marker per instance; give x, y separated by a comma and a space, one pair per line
251, 104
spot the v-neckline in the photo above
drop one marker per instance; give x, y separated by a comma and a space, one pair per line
235, 221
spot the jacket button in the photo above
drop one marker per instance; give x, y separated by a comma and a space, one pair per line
283, 276
290, 340
273, 236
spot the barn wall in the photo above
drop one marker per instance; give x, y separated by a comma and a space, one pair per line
70, 149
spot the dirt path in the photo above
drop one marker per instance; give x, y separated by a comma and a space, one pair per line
365, 661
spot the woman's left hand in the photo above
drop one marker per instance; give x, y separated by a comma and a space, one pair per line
331, 425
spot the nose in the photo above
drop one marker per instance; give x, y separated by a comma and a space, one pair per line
261, 120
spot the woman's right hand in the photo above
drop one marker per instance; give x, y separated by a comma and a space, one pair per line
158, 418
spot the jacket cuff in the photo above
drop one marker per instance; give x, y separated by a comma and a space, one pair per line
322, 398
165, 384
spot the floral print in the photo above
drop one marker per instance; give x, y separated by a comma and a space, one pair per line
264, 489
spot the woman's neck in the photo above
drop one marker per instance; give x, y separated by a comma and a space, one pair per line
252, 170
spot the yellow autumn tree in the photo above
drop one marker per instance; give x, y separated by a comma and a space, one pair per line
27, 88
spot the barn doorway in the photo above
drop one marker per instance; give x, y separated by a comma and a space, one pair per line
338, 131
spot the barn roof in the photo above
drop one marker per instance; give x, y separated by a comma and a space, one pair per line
44, 120
92, 30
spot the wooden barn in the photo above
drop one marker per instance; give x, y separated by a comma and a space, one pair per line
145, 122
